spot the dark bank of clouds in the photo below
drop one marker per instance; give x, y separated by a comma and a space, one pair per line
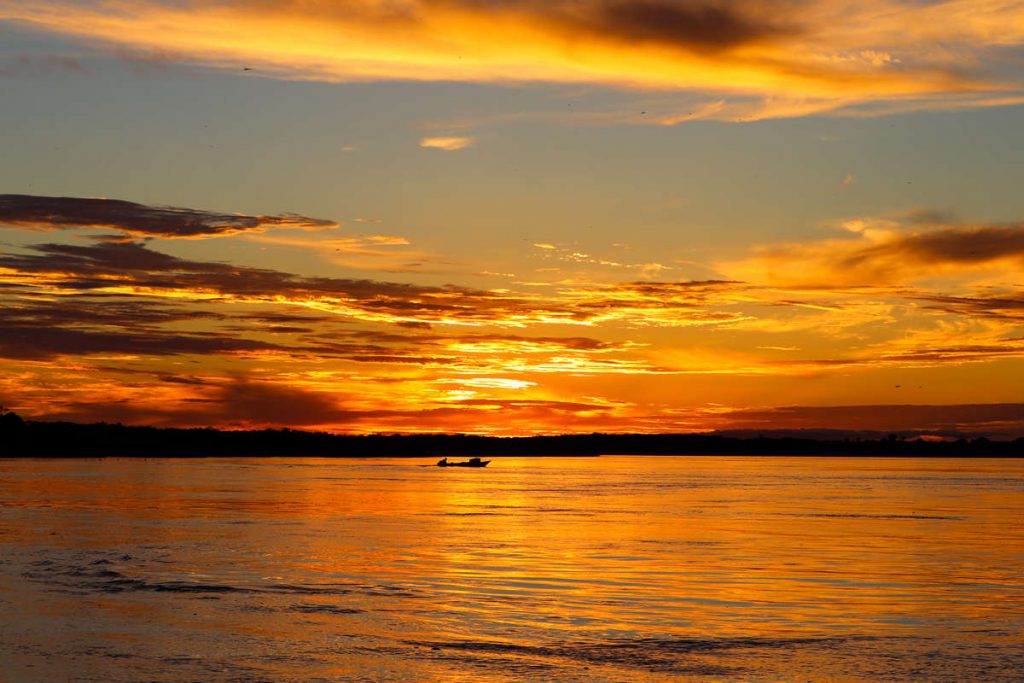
62, 213
994, 418
41, 330
31, 342
97, 311
76, 326
44, 330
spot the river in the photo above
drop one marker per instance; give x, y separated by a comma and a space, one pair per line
620, 568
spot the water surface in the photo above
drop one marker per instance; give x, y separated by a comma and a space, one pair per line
556, 569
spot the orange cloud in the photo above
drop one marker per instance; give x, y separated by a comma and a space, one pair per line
447, 144
886, 252
117, 330
131, 269
755, 58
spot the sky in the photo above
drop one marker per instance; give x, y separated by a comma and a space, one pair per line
514, 216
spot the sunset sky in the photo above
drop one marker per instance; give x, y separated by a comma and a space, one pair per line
514, 216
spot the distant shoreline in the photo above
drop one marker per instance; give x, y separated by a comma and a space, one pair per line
30, 439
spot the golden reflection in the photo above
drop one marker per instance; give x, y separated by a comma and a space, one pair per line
384, 562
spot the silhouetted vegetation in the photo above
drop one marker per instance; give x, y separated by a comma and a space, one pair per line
65, 439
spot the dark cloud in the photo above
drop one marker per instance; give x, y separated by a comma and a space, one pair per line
961, 245
91, 267
693, 292
994, 418
399, 358
514, 341
688, 24
132, 266
554, 343
694, 25
372, 346
31, 342
935, 354
274, 317
691, 286
176, 379
966, 353
886, 253
83, 325
99, 266
97, 312
999, 307
267, 403
287, 329
243, 401
235, 402
59, 213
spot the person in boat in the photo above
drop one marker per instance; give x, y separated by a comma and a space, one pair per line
442, 462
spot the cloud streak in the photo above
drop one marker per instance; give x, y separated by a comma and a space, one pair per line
446, 144
65, 213
884, 252
127, 268
751, 58
997, 418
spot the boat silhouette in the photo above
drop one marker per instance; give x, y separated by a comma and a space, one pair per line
472, 462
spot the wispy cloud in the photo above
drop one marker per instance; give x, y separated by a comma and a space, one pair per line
447, 144
385, 253
650, 269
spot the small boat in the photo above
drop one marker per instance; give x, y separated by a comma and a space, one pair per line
472, 462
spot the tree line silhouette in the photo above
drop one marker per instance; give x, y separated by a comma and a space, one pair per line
27, 438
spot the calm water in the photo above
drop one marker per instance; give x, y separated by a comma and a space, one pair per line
598, 569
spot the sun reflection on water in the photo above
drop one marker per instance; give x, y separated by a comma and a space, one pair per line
614, 568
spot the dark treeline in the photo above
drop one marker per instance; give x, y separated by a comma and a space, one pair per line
65, 439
